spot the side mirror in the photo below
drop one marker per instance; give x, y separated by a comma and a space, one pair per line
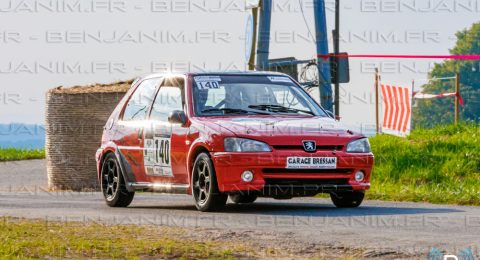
177, 117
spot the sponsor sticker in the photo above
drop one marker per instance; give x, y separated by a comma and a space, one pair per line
311, 162
279, 79
157, 156
208, 82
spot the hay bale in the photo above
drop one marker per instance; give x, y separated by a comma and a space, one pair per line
75, 118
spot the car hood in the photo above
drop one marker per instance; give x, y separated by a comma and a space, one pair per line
287, 130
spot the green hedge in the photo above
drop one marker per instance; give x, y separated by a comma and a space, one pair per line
12, 154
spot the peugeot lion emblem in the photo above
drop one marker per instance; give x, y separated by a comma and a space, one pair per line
309, 146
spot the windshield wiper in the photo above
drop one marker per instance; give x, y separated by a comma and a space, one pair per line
228, 110
279, 108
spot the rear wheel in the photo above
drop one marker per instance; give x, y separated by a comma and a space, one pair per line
113, 184
204, 185
351, 199
243, 198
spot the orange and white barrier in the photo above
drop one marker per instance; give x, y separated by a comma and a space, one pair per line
397, 110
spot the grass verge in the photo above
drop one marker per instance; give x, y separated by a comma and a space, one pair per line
13, 154
41, 239
439, 165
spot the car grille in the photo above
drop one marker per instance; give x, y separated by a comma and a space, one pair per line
300, 147
303, 182
306, 171
287, 188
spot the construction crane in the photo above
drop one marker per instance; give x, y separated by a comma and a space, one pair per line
259, 57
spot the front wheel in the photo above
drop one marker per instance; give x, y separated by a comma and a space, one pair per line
349, 199
113, 184
204, 185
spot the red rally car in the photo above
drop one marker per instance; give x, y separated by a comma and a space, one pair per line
238, 135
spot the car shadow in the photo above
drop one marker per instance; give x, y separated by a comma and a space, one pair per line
326, 210
165, 207
308, 209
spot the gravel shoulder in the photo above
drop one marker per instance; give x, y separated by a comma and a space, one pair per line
29, 175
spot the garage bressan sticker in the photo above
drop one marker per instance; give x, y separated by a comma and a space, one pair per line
157, 157
311, 162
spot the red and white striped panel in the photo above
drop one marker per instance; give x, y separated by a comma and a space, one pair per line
429, 96
441, 95
397, 110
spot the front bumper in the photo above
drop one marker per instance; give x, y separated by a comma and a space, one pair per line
272, 178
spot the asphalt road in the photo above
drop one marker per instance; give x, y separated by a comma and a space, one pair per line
412, 228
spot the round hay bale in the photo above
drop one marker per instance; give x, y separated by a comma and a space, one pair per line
75, 118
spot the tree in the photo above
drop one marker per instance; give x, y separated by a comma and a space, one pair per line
428, 113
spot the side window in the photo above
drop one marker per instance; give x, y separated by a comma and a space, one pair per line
168, 99
138, 105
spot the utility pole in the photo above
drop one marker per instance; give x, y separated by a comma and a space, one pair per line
336, 48
377, 121
251, 61
413, 91
457, 98
263, 47
321, 39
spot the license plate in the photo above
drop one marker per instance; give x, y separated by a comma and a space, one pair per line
311, 162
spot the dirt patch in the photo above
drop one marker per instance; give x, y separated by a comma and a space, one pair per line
284, 245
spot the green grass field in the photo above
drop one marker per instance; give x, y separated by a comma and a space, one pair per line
12, 154
439, 165
40, 239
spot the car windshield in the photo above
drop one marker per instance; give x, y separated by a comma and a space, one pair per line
251, 94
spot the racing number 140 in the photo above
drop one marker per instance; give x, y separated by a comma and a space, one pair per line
208, 84
162, 151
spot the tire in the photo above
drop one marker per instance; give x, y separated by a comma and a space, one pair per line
205, 190
243, 198
352, 199
113, 184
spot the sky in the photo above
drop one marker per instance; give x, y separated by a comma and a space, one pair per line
50, 43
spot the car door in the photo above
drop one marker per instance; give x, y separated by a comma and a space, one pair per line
165, 147
130, 127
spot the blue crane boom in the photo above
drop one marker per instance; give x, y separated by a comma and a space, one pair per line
321, 40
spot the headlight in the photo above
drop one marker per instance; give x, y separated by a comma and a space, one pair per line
359, 146
234, 144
